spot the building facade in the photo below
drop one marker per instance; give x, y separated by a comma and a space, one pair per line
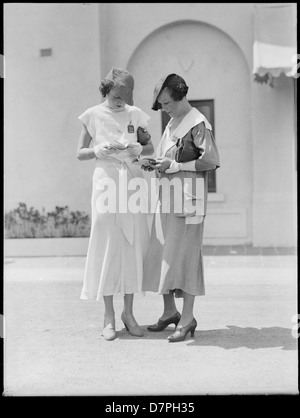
57, 54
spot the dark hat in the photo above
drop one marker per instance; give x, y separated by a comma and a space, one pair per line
158, 89
124, 82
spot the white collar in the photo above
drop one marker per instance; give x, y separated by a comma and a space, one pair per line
192, 118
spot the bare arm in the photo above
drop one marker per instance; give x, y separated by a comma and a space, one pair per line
84, 152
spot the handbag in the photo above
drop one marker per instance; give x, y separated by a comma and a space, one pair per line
143, 135
186, 150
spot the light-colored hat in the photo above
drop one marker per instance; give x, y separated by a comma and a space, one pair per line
158, 89
124, 82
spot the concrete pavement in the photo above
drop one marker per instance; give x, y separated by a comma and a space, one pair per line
245, 342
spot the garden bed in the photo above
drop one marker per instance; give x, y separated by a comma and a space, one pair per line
24, 222
30, 233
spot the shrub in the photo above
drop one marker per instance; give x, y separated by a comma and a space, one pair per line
30, 223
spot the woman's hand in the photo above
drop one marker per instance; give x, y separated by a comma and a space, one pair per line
104, 149
147, 167
162, 163
134, 149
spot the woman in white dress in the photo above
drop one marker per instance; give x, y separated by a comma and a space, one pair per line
119, 238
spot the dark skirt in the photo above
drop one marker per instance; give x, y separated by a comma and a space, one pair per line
178, 264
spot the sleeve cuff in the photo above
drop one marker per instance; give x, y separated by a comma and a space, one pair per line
97, 152
174, 167
188, 166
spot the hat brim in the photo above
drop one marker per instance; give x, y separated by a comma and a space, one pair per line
124, 82
158, 89
126, 94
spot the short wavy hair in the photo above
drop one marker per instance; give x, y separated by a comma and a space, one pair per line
176, 86
106, 86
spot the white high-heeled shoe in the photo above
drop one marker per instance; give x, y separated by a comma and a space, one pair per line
135, 330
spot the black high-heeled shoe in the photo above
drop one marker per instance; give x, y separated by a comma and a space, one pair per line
181, 332
161, 325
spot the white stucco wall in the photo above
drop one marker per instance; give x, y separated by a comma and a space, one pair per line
274, 164
235, 19
43, 97
253, 200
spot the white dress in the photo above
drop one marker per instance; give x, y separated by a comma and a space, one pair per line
119, 238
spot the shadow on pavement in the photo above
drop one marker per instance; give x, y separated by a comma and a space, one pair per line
124, 335
253, 338
231, 337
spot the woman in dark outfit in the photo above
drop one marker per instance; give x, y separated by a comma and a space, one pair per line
174, 263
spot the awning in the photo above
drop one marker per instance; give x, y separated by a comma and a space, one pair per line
275, 46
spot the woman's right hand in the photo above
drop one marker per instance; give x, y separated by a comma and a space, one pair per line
105, 149
147, 168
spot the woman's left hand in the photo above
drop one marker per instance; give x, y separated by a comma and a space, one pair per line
162, 163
